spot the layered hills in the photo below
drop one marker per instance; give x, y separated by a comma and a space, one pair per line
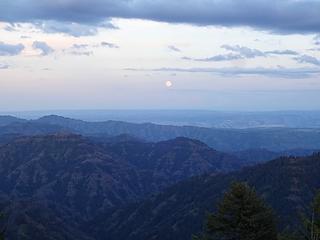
69, 179
287, 184
229, 140
73, 179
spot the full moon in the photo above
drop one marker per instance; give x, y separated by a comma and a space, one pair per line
168, 84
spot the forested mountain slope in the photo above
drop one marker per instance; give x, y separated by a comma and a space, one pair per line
287, 184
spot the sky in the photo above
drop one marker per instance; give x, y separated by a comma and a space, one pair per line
244, 55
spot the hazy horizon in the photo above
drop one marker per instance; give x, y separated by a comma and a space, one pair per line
199, 118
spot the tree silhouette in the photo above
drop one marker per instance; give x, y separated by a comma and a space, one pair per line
241, 215
312, 224
2, 230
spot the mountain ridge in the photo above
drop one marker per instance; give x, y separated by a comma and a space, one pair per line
287, 184
132, 190
227, 140
275, 139
38, 166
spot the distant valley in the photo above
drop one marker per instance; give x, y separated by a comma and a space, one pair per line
199, 118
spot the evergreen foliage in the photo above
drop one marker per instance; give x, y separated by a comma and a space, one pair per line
2, 230
312, 224
241, 215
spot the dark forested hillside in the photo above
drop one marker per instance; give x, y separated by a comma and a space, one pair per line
29, 165
176, 159
70, 171
288, 185
72, 179
126, 187
6, 120
255, 156
37, 220
31, 128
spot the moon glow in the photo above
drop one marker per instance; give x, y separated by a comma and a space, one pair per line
168, 84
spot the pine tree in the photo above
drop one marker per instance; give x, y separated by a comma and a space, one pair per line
312, 224
241, 215
2, 231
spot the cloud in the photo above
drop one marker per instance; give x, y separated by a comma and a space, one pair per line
79, 50
291, 73
173, 48
10, 49
9, 28
109, 45
281, 52
308, 59
240, 52
71, 28
276, 16
244, 51
314, 49
4, 66
80, 46
86, 49
316, 39
43, 47
81, 53
65, 27
217, 58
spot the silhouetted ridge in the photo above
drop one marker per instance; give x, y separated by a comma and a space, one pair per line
56, 119
6, 120
184, 142
274, 139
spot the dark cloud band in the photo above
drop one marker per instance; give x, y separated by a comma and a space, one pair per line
283, 16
